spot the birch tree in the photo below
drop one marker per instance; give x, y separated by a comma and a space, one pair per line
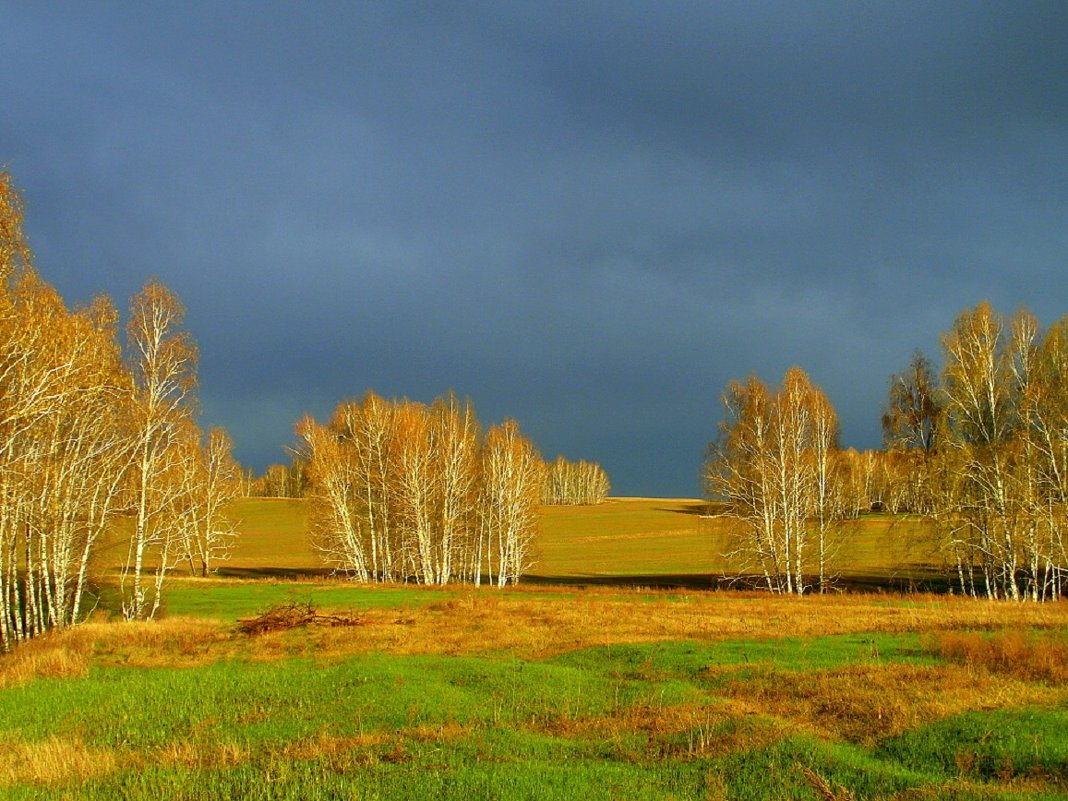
982, 421
829, 506
997, 486
369, 428
162, 361
399, 490
62, 445
210, 483
456, 466
508, 503
334, 500
85, 438
577, 483
775, 463
413, 477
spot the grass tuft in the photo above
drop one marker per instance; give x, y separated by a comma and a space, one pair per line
1029, 656
52, 761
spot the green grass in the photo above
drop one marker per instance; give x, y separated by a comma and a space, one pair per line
419, 772
994, 745
555, 693
657, 720
268, 703
499, 706
697, 661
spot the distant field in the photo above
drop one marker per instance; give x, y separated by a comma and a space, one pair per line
625, 537
274, 536
677, 539
634, 539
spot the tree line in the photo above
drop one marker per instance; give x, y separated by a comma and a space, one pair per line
578, 483
399, 490
277, 481
564, 482
92, 433
983, 451
978, 449
100, 451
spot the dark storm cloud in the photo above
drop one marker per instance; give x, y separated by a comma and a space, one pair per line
587, 216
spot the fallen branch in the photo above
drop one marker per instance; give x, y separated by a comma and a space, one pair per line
291, 616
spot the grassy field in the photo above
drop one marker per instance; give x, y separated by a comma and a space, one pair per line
542, 693
557, 689
636, 540
671, 540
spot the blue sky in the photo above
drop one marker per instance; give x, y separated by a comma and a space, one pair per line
585, 216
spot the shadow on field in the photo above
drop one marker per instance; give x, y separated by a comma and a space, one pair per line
858, 583
920, 581
880, 582
288, 573
660, 581
698, 509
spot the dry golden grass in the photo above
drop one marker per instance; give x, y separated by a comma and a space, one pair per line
868, 703
622, 537
273, 533
59, 655
190, 754
175, 642
438, 732
693, 730
1027, 656
534, 627
178, 642
359, 749
823, 788
528, 622
53, 761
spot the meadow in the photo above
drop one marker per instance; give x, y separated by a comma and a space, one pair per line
593, 680
636, 541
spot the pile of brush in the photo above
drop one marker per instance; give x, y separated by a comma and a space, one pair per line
291, 616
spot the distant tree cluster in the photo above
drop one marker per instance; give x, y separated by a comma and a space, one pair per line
574, 483
400, 490
777, 464
87, 437
984, 452
979, 449
278, 481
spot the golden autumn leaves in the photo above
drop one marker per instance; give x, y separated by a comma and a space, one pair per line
574, 483
980, 452
99, 441
401, 490
998, 472
90, 436
777, 463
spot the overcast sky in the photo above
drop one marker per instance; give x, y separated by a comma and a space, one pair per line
587, 216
